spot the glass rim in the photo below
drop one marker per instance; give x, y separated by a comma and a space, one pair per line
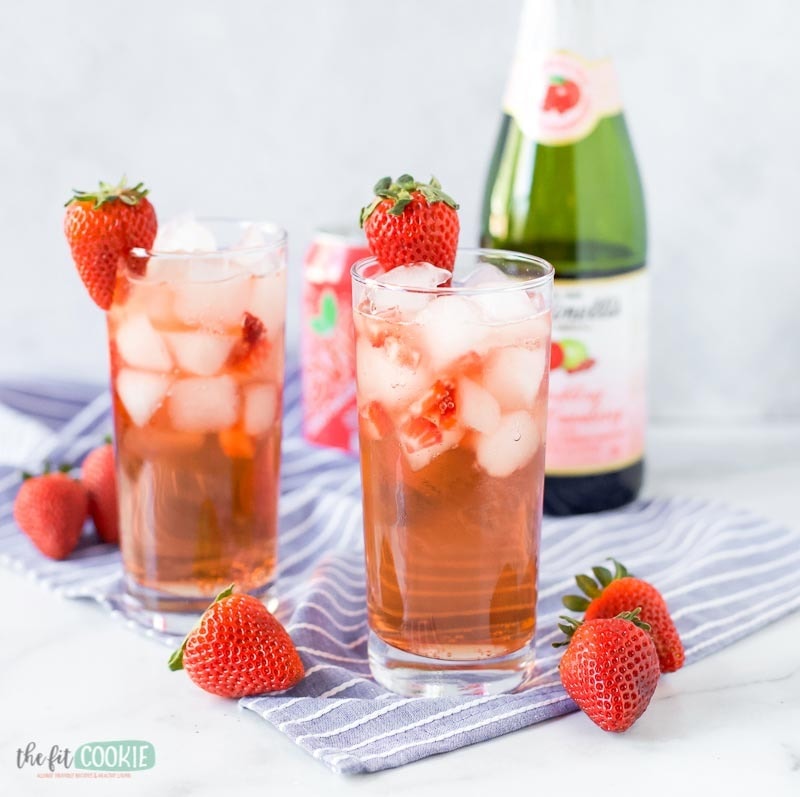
521, 283
268, 227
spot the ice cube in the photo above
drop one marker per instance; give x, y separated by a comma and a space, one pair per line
477, 408
504, 307
202, 404
164, 268
419, 458
257, 260
486, 274
505, 303
260, 408
141, 346
373, 328
512, 444
216, 306
251, 238
184, 233
417, 275
390, 374
201, 353
513, 376
531, 332
267, 300
141, 393
451, 329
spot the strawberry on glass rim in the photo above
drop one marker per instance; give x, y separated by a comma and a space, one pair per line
411, 222
102, 227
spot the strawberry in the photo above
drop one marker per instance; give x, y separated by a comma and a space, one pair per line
101, 229
610, 668
51, 509
253, 346
419, 433
562, 94
377, 420
621, 592
410, 222
238, 648
431, 415
100, 481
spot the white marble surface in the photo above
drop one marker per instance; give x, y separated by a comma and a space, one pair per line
729, 724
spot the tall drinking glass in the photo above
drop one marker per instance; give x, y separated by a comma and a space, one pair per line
452, 396
197, 349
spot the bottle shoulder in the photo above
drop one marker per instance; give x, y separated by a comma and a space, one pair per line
580, 203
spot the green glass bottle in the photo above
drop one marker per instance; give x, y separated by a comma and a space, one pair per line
563, 184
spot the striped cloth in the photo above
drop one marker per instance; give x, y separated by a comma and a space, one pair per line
723, 571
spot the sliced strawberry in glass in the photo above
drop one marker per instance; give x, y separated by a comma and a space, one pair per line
253, 347
431, 416
439, 405
377, 421
419, 433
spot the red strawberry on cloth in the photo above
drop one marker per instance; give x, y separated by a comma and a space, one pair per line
238, 648
51, 509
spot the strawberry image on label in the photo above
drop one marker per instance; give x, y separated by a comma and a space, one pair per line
562, 94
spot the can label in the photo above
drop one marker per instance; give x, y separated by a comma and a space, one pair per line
558, 98
597, 406
330, 416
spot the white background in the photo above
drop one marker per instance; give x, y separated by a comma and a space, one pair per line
290, 111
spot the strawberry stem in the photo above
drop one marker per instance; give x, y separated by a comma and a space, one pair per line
591, 588
129, 195
400, 195
603, 575
570, 625
633, 616
176, 659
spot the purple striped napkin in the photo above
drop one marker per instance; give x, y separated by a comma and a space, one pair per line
723, 571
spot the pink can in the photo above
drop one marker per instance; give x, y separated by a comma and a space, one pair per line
330, 416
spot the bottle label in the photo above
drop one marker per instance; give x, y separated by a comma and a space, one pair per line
559, 98
597, 406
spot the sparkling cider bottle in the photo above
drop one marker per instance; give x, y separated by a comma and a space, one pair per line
563, 184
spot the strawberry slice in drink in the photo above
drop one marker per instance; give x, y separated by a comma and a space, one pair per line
252, 348
377, 421
431, 429
420, 433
